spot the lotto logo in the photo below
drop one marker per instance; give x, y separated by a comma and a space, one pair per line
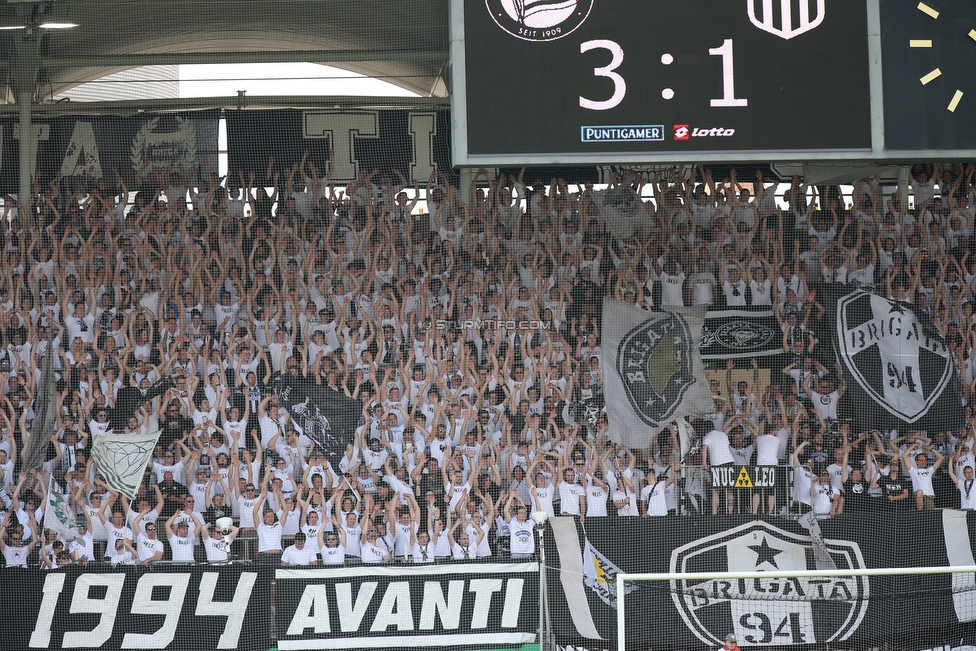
681, 132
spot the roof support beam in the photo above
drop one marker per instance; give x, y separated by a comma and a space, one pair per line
230, 103
296, 56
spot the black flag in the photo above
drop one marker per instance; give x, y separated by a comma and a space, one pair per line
327, 417
898, 368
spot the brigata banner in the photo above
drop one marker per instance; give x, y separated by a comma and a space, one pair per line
652, 369
475, 605
900, 371
899, 613
166, 607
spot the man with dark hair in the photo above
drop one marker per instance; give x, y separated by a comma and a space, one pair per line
299, 553
896, 493
173, 493
922, 474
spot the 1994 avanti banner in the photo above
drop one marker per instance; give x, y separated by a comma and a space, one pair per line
475, 606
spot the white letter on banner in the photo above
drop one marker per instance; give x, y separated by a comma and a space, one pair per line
233, 610
423, 128
351, 616
483, 589
513, 602
53, 585
39, 132
434, 604
395, 609
105, 608
312, 612
143, 604
81, 156
341, 129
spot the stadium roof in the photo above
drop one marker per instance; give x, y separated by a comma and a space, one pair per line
402, 42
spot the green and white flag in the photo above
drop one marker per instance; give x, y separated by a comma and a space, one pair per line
122, 459
59, 515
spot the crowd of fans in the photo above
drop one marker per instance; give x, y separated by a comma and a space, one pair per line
468, 327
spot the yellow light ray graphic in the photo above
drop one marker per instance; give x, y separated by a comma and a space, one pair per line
919, 43
972, 34
955, 101
925, 9
935, 74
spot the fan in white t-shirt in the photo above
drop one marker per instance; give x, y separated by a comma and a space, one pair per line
299, 553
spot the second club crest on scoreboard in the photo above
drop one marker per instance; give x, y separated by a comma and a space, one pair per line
787, 18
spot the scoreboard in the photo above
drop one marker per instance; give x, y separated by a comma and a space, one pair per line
617, 81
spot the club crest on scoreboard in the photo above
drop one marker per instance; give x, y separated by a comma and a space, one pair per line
774, 611
780, 19
539, 20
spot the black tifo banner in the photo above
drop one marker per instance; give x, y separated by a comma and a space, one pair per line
414, 143
93, 146
898, 613
176, 607
475, 605
344, 141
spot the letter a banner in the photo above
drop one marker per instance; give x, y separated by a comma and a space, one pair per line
652, 369
898, 368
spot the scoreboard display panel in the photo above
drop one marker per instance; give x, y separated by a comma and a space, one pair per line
595, 77
616, 81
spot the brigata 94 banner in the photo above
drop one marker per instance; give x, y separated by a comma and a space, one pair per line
899, 613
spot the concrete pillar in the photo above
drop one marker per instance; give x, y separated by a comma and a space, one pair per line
903, 177
24, 100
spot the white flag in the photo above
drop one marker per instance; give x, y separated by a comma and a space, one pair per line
122, 459
58, 515
600, 575
623, 210
652, 369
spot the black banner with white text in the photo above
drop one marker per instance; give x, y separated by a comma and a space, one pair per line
341, 143
171, 607
476, 605
899, 369
95, 147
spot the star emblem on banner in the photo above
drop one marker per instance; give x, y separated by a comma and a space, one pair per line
765, 553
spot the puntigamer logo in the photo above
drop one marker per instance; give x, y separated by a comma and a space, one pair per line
539, 20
